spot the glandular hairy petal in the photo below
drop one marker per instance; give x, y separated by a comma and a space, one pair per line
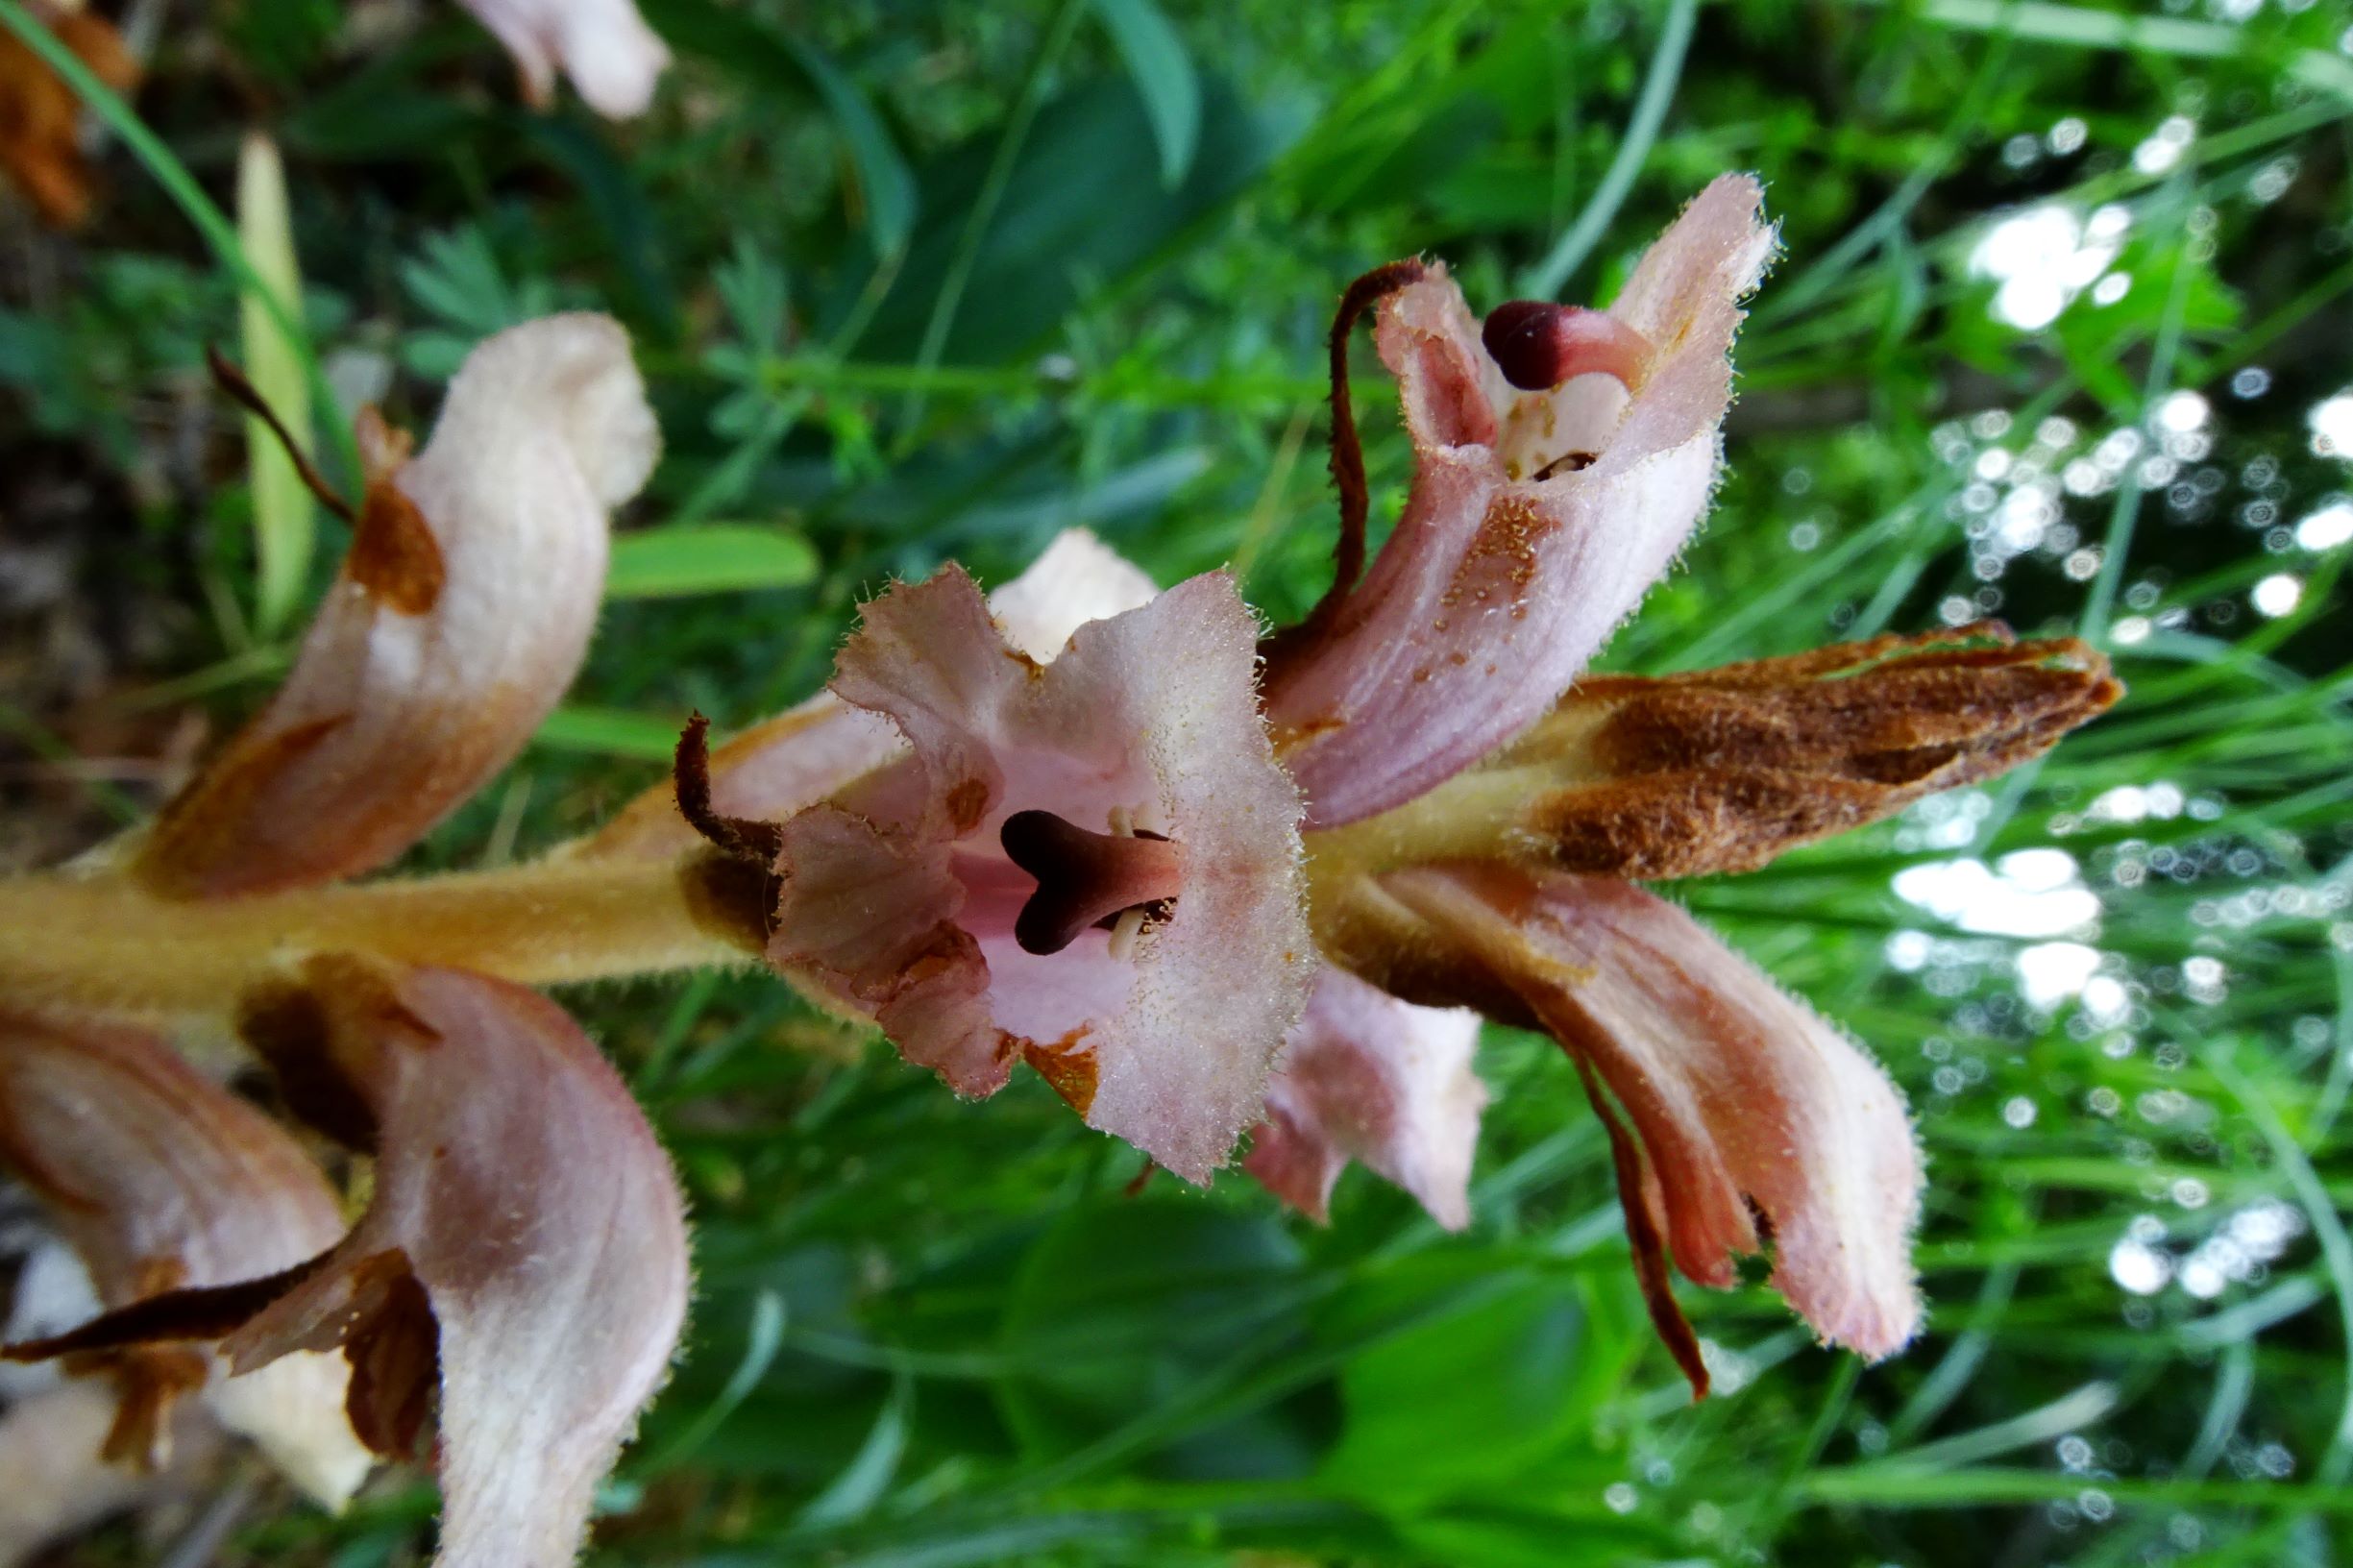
1365, 1076
1536, 523
1747, 1120
794, 760
525, 1239
522, 1256
458, 620
903, 898
161, 1180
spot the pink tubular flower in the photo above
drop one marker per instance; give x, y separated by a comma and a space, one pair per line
802, 755
546, 1323
549, 1322
1089, 864
1073, 830
1551, 488
1469, 808
459, 619
1753, 1121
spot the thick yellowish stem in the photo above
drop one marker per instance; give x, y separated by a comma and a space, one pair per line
1473, 815
105, 946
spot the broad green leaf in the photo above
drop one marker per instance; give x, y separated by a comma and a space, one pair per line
1163, 72
284, 525
707, 559
1515, 1379
1116, 1308
884, 181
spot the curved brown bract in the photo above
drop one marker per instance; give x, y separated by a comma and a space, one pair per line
41, 116
1728, 770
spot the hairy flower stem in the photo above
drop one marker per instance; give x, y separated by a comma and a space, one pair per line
1475, 815
108, 945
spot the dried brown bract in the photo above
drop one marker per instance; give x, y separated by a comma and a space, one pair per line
1727, 770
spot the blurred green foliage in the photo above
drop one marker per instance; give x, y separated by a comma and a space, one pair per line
912, 280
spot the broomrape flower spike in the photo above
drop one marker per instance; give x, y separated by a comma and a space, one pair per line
1473, 815
1210, 885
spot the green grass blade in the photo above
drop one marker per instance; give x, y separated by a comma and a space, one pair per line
284, 523
1165, 78
708, 559
1659, 86
612, 732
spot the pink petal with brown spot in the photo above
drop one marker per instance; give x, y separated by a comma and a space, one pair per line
1365, 1076
458, 621
900, 900
163, 1179
1745, 1105
1536, 523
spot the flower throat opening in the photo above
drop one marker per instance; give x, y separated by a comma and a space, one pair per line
1084, 878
